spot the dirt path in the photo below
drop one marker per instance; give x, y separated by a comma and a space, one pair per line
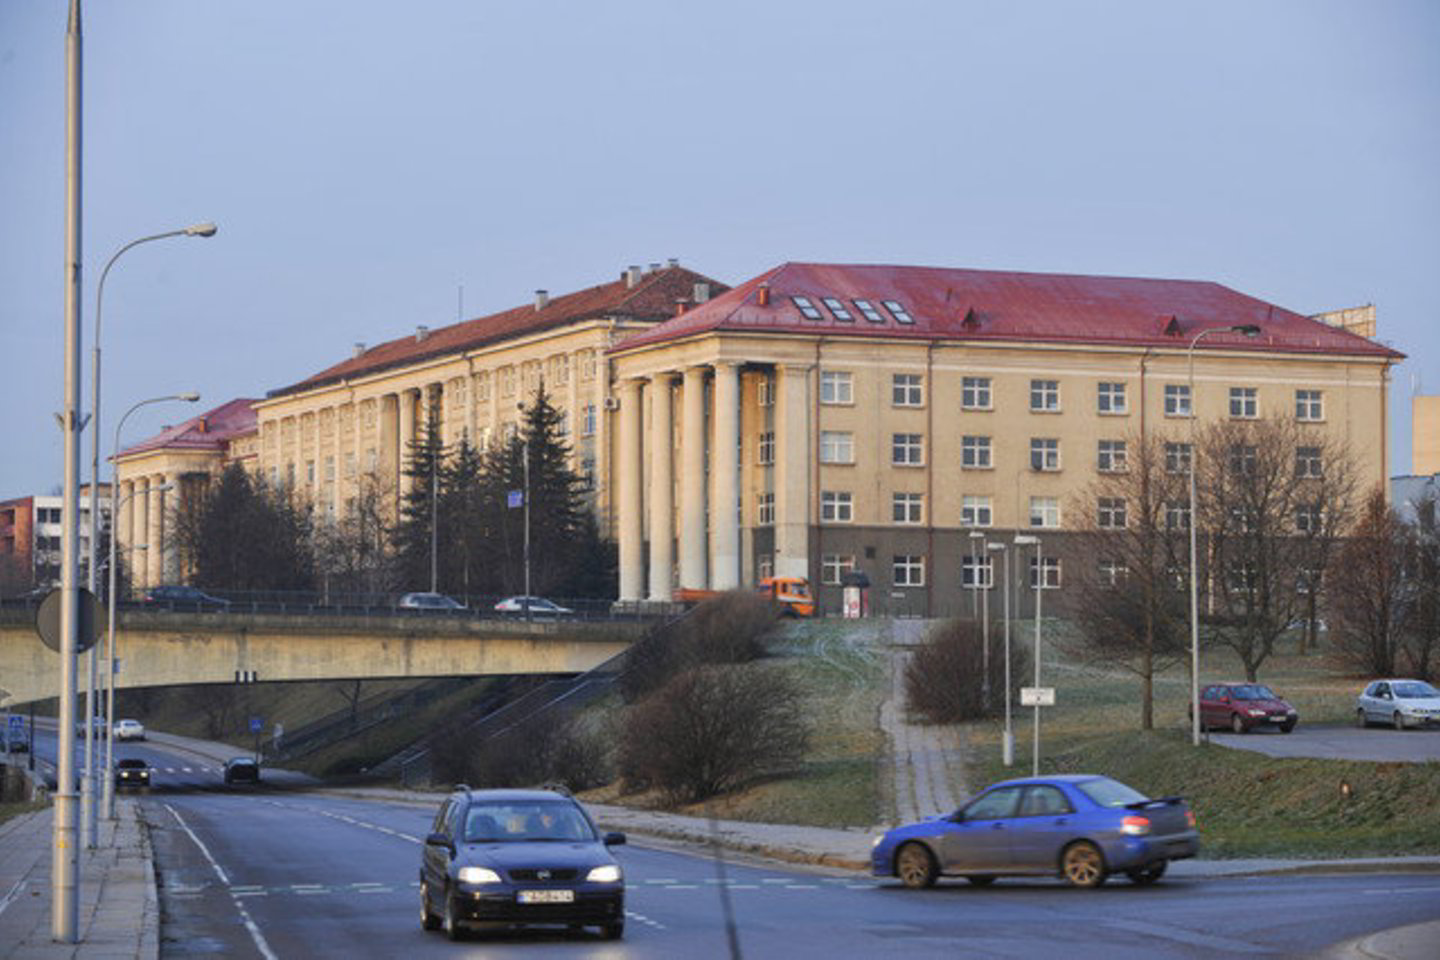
927, 775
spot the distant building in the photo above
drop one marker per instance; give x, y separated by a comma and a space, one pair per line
31, 529
1424, 435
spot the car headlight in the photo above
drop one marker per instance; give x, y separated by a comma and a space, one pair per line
877, 841
477, 875
609, 873
1256, 713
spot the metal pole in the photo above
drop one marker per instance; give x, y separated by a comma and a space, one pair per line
985, 633
526, 468
434, 529
1007, 749
1039, 584
65, 869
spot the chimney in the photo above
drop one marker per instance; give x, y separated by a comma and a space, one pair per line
654, 267
632, 276
762, 295
542, 299
204, 425
421, 332
358, 349
702, 292
679, 306
673, 262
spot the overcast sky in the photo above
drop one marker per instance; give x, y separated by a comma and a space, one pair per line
366, 160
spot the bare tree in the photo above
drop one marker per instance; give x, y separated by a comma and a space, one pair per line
944, 678
1274, 496
1371, 590
1422, 637
353, 552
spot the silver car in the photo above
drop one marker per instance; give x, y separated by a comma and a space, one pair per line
1400, 703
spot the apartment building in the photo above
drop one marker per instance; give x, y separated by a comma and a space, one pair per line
31, 529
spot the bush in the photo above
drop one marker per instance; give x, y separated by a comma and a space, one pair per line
550, 747
727, 629
944, 679
711, 729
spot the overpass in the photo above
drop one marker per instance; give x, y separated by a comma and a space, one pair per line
157, 648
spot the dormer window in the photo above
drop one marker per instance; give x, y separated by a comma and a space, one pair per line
868, 309
807, 309
898, 311
837, 309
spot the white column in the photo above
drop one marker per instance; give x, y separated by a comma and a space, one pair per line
406, 439
662, 487
630, 482
155, 558
692, 480
140, 531
792, 473
724, 480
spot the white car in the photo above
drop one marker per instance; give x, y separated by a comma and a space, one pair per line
129, 730
429, 601
538, 607
1400, 703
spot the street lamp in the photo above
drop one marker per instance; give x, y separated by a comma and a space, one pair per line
109, 799
981, 560
87, 797
1007, 743
1025, 540
1249, 330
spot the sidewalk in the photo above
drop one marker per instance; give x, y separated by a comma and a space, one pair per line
119, 915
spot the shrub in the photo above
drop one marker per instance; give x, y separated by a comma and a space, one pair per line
727, 629
944, 678
551, 747
711, 729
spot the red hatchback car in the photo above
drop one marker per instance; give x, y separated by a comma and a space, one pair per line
1244, 706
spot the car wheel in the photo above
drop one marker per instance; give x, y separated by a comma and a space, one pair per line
448, 921
915, 866
1237, 725
1083, 864
1398, 720
1287, 727
1360, 720
428, 920
980, 879
613, 931
1148, 874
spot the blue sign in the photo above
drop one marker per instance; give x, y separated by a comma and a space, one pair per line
17, 724
516, 498
257, 724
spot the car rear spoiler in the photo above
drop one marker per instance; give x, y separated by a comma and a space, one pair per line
1158, 801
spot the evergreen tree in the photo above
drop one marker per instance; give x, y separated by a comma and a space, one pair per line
424, 466
243, 535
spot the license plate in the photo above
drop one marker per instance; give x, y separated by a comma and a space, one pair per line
546, 896
1280, 718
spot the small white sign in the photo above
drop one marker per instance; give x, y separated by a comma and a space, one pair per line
1037, 696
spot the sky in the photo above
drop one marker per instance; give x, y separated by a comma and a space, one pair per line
377, 166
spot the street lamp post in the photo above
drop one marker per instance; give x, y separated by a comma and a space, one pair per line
1023, 540
109, 797
87, 799
1249, 330
1007, 743
982, 565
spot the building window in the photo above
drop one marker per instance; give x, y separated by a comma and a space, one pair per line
1111, 513
1309, 518
1242, 459
1112, 572
836, 506
908, 570
1177, 400
1241, 578
1045, 570
975, 453
560, 369
1177, 515
975, 393
1044, 454
837, 446
898, 311
589, 421
765, 391
1044, 512
868, 309
562, 425
1244, 403
765, 449
906, 390
482, 387
587, 473
807, 309
1111, 457
329, 469
1045, 396
836, 387
907, 449
765, 566
507, 381
372, 459
837, 310
1177, 458
1309, 406
309, 471
834, 566
1111, 398
765, 509
977, 573
974, 511
1307, 463
350, 464
907, 507
289, 476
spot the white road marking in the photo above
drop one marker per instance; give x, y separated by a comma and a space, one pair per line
640, 917
260, 942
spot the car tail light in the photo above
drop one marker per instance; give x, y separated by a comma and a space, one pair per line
1190, 819
1135, 826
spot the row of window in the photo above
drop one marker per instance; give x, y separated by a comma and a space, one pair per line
908, 570
842, 313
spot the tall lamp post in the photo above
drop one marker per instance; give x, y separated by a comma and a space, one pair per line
109, 795
1025, 540
1249, 330
87, 798
1007, 742
982, 564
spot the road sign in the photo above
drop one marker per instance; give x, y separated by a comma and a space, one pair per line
47, 620
257, 724
17, 725
515, 499
1037, 696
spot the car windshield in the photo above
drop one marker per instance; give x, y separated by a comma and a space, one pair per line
526, 821
129, 763
1110, 793
1414, 690
1253, 691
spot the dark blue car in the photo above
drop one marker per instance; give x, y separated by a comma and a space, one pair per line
1081, 827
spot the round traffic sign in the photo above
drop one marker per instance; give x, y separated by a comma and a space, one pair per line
47, 620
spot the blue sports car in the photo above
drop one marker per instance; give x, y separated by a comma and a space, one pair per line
1081, 827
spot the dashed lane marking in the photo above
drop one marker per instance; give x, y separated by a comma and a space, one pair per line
261, 943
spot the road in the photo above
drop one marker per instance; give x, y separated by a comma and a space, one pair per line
273, 873
1337, 742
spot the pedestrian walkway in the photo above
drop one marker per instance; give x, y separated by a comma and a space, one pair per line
927, 761
118, 910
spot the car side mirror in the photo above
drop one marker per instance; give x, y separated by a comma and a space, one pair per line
440, 840
614, 839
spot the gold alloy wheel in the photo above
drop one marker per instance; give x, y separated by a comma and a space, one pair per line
1083, 864
915, 866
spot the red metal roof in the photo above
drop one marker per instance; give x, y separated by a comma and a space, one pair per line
211, 430
652, 299
992, 305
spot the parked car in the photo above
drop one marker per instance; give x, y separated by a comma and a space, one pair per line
1400, 703
132, 772
1081, 827
241, 770
1244, 706
429, 601
537, 606
98, 724
182, 597
519, 857
129, 730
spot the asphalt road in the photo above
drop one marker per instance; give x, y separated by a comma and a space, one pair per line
1337, 742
